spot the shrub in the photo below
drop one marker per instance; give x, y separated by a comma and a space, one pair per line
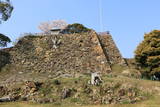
75, 28
56, 82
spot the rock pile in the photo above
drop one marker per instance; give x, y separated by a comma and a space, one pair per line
49, 92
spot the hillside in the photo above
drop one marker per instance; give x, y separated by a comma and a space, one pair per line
36, 70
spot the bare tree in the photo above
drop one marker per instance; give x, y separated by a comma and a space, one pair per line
47, 26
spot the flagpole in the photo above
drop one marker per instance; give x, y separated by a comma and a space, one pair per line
100, 16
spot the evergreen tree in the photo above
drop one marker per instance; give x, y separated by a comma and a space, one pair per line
147, 55
5, 12
4, 40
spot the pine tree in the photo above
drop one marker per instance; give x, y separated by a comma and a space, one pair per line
147, 55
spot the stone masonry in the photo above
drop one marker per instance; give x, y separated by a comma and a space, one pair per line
110, 49
76, 53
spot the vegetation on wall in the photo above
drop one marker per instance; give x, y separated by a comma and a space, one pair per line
147, 55
75, 28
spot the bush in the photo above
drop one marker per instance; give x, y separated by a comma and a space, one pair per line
75, 28
56, 82
4, 40
147, 55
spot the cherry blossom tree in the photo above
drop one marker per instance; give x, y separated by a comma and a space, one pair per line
56, 24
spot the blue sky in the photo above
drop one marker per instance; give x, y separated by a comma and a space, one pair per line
127, 20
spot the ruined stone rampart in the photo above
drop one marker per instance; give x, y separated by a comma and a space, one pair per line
75, 53
110, 49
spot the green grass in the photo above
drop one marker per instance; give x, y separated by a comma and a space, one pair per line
147, 85
150, 89
152, 102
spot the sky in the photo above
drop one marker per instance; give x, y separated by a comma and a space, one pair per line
127, 20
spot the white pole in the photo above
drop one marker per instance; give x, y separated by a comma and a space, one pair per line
100, 15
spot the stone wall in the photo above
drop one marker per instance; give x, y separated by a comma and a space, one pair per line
110, 49
76, 53
4, 58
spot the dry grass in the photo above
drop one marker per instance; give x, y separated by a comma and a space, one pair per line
147, 85
152, 102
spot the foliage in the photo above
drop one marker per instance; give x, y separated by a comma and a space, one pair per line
47, 26
4, 40
147, 55
5, 10
75, 28
56, 82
